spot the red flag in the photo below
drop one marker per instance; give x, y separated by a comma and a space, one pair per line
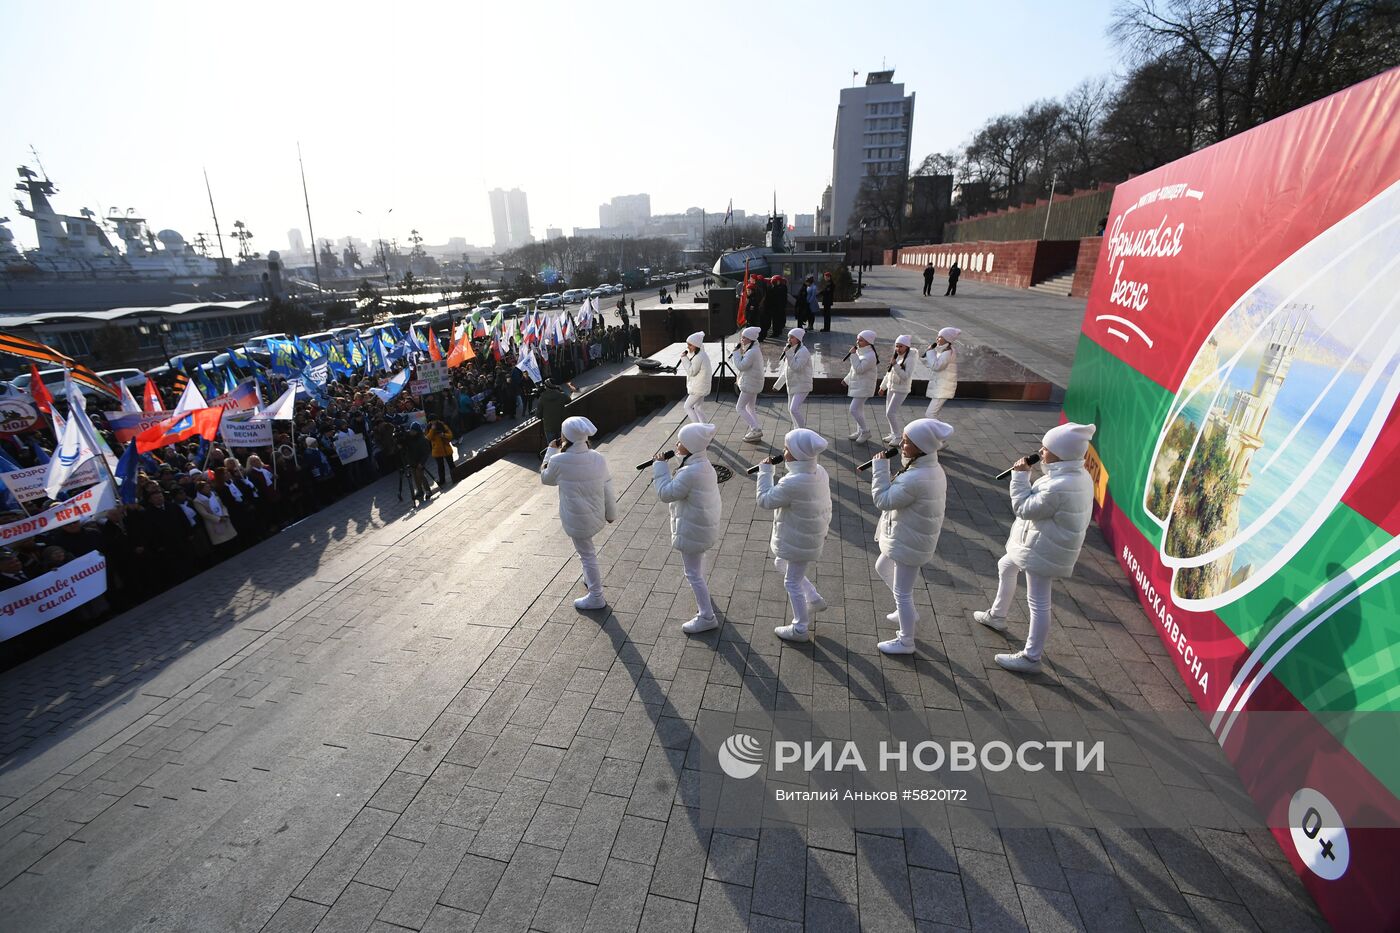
38, 391
152, 399
201, 421
461, 350
742, 318
434, 351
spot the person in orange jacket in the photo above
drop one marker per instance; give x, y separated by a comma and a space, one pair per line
441, 436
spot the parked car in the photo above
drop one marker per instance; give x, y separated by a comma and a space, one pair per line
135, 379
551, 300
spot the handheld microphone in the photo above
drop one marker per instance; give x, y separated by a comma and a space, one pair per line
889, 452
775, 460
1033, 459
848, 353
665, 456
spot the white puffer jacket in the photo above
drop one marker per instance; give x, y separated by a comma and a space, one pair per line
900, 379
944, 363
797, 372
860, 379
911, 509
1052, 516
749, 365
693, 493
802, 500
697, 371
586, 498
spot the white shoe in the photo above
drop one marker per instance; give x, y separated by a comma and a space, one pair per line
896, 645
585, 603
894, 616
995, 623
853, 435
888, 438
816, 605
700, 624
792, 633
863, 437
1019, 662
753, 438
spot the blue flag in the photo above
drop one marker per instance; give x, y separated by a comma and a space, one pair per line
8, 502
39, 455
125, 473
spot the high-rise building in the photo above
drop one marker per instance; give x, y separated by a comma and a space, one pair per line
804, 224
500, 219
553, 233
873, 127
295, 244
625, 211
519, 214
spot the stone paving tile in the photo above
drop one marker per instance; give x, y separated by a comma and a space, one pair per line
545, 775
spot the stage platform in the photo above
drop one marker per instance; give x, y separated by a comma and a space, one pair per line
387, 718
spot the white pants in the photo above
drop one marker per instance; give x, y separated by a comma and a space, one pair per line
748, 409
588, 557
795, 403
693, 410
900, 579
892, 402
935, 405
694, 565
1037, 601
800, 589
858, 414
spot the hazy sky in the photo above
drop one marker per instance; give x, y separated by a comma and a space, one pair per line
424, 107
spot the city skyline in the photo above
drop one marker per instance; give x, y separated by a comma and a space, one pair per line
570, 135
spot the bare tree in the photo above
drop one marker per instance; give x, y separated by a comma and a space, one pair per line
880, 203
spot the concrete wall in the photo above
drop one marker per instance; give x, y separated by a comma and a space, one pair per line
1016, 264
1087, 264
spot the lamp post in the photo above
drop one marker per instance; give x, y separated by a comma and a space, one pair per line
1054, 179
160, 328
860, 269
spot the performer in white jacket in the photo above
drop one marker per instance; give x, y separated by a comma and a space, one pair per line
801, 501
796, 375
693, 494
696, 364
911, 505
747, 360
860, 382
942, 358
1052, 517
899, 378
586, 499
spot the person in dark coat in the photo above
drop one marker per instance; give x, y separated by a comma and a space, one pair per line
928, 279
827, 296
775, 307
953, 273
755, 313
550, 408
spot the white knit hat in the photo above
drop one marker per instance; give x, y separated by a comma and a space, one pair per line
804, 443
1069, 441
905, 339
696, 339
867, 335
578, 429
799, 332
750, 333
928, 434
696, 437
950, 333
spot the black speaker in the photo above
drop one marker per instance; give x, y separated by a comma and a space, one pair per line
724, 306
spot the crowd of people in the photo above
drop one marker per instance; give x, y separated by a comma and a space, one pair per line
200, 501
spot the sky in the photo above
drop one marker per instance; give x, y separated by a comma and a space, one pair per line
421, 108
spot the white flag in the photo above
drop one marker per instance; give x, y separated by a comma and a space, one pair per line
129, 404
530, 367
71, 453
284, 409
191, 400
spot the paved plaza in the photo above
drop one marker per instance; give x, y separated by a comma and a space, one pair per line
393, 719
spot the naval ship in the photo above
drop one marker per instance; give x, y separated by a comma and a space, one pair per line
77, 267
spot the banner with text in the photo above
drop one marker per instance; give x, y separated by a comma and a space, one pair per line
27, 484
87, 504
1240, 355
254, 433
53, 594
350, 449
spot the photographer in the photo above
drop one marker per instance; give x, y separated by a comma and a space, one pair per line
414, 450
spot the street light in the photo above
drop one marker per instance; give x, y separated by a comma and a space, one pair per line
860, 269
160, 328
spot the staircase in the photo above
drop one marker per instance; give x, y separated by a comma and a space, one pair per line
1058, 285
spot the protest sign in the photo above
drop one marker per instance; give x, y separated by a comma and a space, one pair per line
27, 484
255, 433
17, 414
350, 449
53, 594
89, 503
434, 373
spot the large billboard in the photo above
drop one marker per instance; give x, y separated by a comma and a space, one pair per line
1240, 355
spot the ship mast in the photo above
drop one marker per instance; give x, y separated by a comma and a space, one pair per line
316, 260
223, 260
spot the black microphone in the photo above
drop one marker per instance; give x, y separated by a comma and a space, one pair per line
889, 452
665, 456
848, 353
1033, 459
775, 460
